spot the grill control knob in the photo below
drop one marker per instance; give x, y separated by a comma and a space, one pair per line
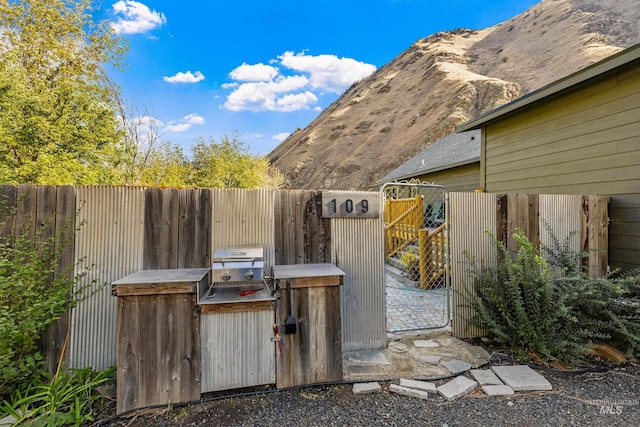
248, 275
226, 277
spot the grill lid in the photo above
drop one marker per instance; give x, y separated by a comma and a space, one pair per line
237, 265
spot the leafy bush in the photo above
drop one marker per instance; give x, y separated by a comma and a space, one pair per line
409, 262
531, 312
31, 298
34, 293
64, 400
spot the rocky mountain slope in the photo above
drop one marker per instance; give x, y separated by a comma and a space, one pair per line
444, 80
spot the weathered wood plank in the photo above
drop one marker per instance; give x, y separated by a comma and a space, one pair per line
522, 214
8, 209
314, 353
598, 235
308, 282
26, 212
152, 228
154, 289
236, 307
187, 209
333, 333
316, 230
169, 233
54, 337
502, 213
280, 227
164, 347
203, 223
128, 373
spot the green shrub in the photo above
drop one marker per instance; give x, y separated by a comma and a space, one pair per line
34, 293
64, 400
409, 262
534, 313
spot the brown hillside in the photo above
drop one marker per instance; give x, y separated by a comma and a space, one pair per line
447, 79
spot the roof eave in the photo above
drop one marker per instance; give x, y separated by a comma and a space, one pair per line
433, 170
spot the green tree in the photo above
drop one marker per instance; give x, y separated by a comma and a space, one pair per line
227, 163
166, 166
57, 116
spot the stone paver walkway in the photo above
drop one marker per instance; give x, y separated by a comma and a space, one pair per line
409, 308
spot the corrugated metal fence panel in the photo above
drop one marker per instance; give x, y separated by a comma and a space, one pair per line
237, 350
244, 218
471, 216
110, 240
560, 217
358, 250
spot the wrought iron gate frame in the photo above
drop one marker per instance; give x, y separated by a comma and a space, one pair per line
447, 256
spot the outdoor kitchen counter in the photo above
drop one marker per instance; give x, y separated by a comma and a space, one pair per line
313, 354
158, 337
156, 282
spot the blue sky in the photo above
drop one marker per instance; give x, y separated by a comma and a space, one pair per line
259, 69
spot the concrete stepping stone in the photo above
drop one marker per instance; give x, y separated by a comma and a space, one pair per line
434, 360
485, 377
456, 388
406, 391
364, 388
456, 366
398, 347
425, 344
367, 357
497, 390
451, 355
419, 385
521, 378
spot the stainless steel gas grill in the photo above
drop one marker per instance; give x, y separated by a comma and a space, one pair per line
237, 275
237, 265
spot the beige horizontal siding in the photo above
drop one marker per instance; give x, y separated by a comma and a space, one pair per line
461, 178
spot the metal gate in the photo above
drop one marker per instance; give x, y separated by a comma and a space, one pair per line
418, 293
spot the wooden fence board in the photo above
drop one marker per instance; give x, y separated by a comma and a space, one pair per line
8, 200
522, 214
317, 231
187, 208
598, 235
169, 229
26, 212
55, 337
152, 228
302, 236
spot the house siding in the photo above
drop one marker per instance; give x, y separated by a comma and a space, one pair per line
461, 178
586, 141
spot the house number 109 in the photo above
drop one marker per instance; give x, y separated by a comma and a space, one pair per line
349, 205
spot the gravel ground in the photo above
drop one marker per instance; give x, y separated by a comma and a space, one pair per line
607, 398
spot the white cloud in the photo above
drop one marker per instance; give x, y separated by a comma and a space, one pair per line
281, 136
180, 127
264, 96
328, 71
254, 73
261, 87
185, 123
187, 77
194, 119
136, 18
296, 101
